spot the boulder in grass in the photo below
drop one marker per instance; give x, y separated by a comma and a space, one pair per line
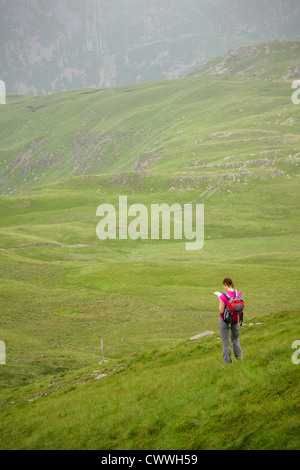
205, 333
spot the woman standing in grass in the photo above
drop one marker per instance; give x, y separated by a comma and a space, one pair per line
224, 327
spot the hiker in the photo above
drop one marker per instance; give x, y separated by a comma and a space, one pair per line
225, 327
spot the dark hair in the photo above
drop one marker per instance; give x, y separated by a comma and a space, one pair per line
228, 282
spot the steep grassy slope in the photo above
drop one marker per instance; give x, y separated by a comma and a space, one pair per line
182, 126
180, 398
63, 290
277, 61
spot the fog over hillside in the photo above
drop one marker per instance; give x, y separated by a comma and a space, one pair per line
53, 45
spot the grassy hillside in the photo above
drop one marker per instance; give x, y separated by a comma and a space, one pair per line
180, 398
145, 299
63, 290
184, 127
276, 61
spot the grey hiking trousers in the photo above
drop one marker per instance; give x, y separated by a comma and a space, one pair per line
224, 329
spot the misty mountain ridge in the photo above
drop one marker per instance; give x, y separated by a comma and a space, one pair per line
258, 61
69, 44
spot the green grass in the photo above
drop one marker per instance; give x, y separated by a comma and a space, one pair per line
166, 127
145, 300
183, 397
63, 290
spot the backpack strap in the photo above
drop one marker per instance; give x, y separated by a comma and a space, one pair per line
227, 296
237, 294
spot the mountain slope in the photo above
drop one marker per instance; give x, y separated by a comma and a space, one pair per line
66, 44
277, 60
228, 142
182, 126
177, 399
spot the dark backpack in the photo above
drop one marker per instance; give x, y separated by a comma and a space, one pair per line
234, 312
